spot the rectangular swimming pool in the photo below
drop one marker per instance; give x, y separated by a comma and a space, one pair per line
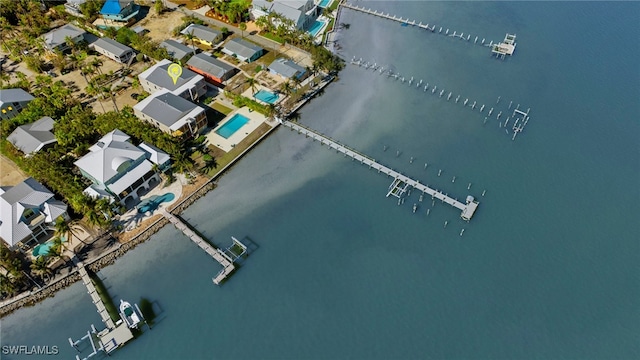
266, 96
232, 125
325, 3
316, 27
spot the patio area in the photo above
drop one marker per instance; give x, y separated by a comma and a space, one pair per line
157, 198
226, 139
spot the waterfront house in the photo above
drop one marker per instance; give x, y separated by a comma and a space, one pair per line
301, 12
118, 170
242, 50
203, 34
31, 138
27, 212
12, 101
188, 85
177, 51
211, 68
56, 39
113, 50
172, 114
287, 69
122, 11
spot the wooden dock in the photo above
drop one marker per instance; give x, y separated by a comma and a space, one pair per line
227, 263
400, 181
390, 17
506, 47
95, 297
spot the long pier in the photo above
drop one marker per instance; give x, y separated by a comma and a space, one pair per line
406, 22
95, 297
218, 255
467, 209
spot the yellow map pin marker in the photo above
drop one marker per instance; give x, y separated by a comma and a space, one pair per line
174, 71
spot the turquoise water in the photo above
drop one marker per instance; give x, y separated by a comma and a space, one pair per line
232, 125
266, 96
546, 269
153, 202
315, 28
43, 249
325, 3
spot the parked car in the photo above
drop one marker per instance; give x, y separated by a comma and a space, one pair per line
134, 96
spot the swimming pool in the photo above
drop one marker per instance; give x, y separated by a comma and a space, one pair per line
266, 96
153, 202
316, 27
43, 249
232, 125
325, 3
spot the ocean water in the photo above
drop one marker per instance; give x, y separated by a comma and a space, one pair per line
546, 269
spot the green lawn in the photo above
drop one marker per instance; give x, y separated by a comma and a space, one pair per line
221, 108
272, 37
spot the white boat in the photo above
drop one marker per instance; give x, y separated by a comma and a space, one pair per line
129, 314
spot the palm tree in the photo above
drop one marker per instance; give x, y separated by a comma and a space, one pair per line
40, 268
66, 228
190, 37
242, 27
103, 206
7, 286
252, 84
286, 88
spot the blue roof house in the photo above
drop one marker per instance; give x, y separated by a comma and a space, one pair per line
119, 10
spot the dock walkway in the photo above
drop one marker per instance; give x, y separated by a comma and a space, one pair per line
95, 297
216, 254
467, 209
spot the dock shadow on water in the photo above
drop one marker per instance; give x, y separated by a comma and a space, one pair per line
111, 307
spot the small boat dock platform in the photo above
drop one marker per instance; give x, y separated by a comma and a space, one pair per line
506, 47
218, 255
114, 335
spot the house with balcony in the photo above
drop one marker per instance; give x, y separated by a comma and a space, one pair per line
73, 7
172, 114
31, 138
302, 13
212, 69
113, 50
120, 11
188, 85
56, 39
119, 170
28, 211
12, 101
243, 50
203, 34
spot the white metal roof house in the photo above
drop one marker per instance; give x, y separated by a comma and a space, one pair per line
27, 211
172, 114
242, 50
302, 12
189, 85
12, 101
176, 50
118, 169
31, 138
113, 50
203, 34
287, 69
56, 38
